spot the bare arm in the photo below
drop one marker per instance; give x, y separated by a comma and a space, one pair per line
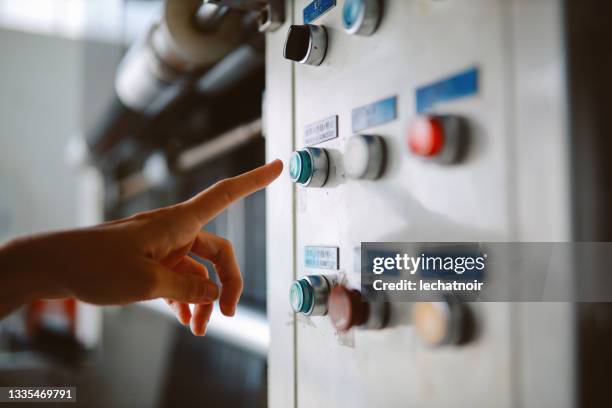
138, 258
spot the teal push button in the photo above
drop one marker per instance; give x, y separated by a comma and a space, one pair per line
309, 167
361, 17
300, 167
308, 295
351, 12
301, 296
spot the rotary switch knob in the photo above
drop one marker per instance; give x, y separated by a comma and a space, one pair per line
308, 295
309, 167
306, 44
364, 157
347, 310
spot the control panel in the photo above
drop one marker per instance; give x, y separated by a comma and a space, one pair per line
407, 121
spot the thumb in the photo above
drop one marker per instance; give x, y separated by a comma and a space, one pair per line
183, 287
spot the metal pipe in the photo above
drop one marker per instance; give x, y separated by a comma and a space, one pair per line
248, 329
172, 49
141, 181
231, 69
219, 146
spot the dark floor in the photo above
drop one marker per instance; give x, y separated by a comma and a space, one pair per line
147, 360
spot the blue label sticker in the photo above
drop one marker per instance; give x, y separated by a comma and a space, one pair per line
321, 257
316, 9
454, 87
374, 114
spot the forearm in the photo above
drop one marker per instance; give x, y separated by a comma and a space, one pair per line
22, 273
13, 278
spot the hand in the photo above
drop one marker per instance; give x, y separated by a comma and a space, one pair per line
142, 257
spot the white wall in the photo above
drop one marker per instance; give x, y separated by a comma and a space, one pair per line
51, 88
40, 93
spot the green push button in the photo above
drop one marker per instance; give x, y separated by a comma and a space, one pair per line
296, 297
300, 167
301, 296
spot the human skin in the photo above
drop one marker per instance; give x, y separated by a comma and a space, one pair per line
143, 257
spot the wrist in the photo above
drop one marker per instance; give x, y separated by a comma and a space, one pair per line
13, 272
26, 265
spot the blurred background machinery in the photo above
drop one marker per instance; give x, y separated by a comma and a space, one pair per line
188, 112
161, 111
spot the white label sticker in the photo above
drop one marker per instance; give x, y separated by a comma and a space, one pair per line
321, 131
321, 257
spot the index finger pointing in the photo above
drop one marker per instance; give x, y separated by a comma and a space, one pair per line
215, 199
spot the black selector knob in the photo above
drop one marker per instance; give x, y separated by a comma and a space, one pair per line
306, 44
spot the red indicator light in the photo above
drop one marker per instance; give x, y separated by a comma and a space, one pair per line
426, 136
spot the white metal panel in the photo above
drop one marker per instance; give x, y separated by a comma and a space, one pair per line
278, 130
417, 43
545, 332
421, 41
